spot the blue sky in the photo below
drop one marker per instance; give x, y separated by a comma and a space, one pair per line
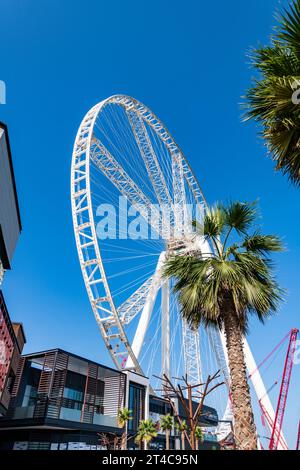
186, 61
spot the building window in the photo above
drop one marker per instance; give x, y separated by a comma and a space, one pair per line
157, 408
82, 398
73, 397
72, 394
74, 386
31, 388
30, 396
136, 403
99, 399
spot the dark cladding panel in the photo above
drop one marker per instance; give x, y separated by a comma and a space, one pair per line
45, 384
58, 384
9, 213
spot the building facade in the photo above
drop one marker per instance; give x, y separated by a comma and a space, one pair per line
12, 336
12, 340
61, 401
10, 220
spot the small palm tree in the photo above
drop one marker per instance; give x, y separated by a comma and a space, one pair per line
198, 436
224, 288
166, 424
147, 431
181, 427
124, 415
274, 98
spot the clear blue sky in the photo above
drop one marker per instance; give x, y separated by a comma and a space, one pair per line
186, 61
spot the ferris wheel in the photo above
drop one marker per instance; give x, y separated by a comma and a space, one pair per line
127, 170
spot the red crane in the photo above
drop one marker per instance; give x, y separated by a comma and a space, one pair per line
298, 437
285, 383
266, 419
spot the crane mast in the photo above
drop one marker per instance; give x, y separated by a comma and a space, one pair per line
298, 437
285, 383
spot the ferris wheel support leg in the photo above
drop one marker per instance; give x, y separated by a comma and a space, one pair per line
165, 328
223, 342
142, 327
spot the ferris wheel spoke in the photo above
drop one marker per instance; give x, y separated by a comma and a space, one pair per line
165, 137
105, 161
193, 183
219, 350
165, 327
191, 345
149, 157
147, 309
134, 304
179, 194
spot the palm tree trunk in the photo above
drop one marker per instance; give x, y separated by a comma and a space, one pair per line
244, 427
167, 439
197, 444
145, 444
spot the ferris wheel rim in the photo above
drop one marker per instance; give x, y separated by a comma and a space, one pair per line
81, 147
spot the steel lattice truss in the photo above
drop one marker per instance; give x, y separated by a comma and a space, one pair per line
113, 321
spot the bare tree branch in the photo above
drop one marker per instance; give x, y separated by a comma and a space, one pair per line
195, 392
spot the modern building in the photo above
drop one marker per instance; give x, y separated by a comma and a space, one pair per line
63, 401
10, 220
12, 340
59, 401
12, 336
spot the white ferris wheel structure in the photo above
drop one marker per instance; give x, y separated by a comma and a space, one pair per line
123, 149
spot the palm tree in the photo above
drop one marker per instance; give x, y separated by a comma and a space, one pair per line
146, 432
274, 98
166, 424
224, 288
181, 428
198, 436
124, 415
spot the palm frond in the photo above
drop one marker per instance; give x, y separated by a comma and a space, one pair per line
275, 60
289, 27
240, 215
166, 422
271, 99
213, 222
259, 243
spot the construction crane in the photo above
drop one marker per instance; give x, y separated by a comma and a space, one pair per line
275, 425
298, 437
284, 388
266, 419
